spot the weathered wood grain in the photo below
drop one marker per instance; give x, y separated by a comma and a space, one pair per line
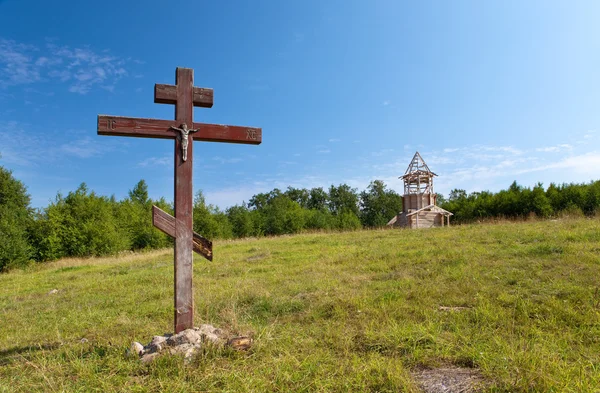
166, 223
167, 94
136, 127
154, 128
230, 134
184, 295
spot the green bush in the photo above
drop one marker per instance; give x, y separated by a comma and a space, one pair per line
209, 221
319, 219
134, 215
378, 205
283, 216
520, 202
81, 224
15, 222
242, 223
348, 221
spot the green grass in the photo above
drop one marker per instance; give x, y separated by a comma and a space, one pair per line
347, 312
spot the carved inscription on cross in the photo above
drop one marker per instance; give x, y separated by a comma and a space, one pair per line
184, 131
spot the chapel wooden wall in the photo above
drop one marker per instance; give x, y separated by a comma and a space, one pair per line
410, 202
426, 219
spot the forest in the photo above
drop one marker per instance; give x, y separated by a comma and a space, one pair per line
83, 223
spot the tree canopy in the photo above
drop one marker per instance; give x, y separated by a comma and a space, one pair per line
83, 223
16, 219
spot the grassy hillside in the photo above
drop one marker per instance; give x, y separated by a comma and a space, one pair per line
356, 311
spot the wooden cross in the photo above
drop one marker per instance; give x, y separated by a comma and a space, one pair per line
184, 131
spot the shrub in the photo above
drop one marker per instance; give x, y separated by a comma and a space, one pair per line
15, 222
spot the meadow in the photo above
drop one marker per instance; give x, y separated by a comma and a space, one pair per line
364, 311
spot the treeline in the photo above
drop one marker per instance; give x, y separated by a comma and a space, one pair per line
79, 224
295, 210
521, 202
83, 223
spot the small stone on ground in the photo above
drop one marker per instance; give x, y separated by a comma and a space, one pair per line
187, 343
240, 343
137, 348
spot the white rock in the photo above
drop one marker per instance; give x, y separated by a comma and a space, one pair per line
189, 354
53, 292
188, 336
137, 348
183, 348
157, 344
211, 334
212, 338
186, 343
147, 358
205, 328
158, 340
152, 348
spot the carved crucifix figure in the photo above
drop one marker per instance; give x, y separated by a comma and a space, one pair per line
183, 137
185, 96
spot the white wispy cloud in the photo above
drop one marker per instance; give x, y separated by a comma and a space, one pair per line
555, 149
6, 96
21, 146
478, 176
333, 140
504, 149
36, 92
381, 152
440, 159
232, 160
17, 63
13, 150
156, 161
586, 164
82, 68
229, 196
493, 167
83, 148
324, 151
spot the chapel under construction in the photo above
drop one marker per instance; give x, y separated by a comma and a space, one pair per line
419, 209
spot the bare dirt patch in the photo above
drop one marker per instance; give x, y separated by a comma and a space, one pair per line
258, 257
450, 380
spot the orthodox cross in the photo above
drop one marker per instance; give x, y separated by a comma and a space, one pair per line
184, 95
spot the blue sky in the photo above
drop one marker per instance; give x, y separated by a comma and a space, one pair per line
345, 91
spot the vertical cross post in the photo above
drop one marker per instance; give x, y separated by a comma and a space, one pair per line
184, 299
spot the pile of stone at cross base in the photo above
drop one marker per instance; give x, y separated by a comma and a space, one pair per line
188, 342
